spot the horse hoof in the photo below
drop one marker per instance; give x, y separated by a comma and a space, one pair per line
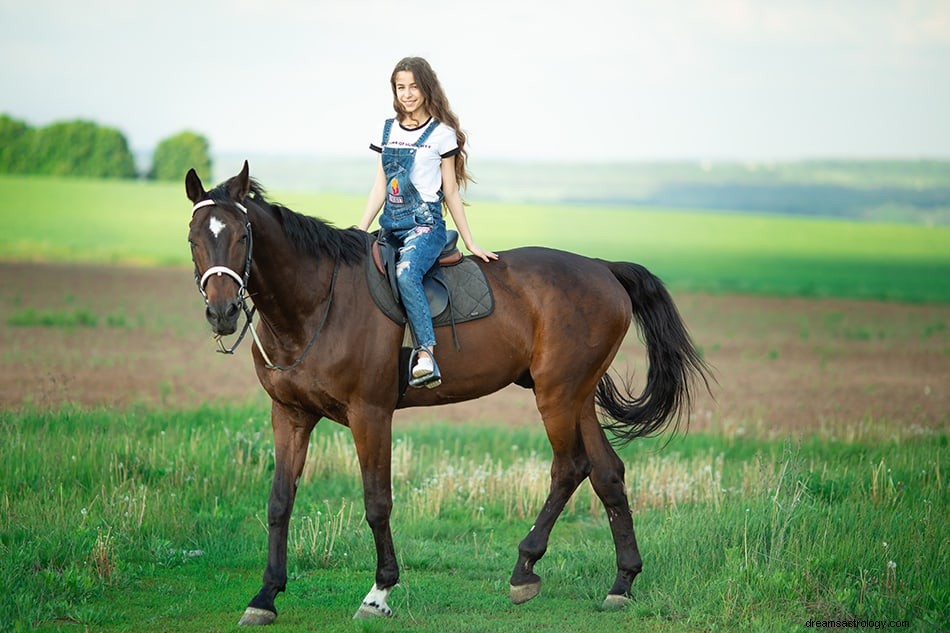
374, 604
615, 602
523, 593
257, 617
367, 611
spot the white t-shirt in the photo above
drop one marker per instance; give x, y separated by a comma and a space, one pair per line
426, 174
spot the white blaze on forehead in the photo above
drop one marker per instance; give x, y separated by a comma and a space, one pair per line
216, 226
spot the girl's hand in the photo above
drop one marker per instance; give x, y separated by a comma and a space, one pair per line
482, 254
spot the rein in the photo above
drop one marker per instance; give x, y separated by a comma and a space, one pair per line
202, 280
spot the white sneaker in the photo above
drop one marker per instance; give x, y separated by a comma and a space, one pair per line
423, 366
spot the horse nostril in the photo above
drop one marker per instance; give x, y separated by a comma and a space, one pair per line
216, 314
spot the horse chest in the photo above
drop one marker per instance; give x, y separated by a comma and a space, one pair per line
301, 390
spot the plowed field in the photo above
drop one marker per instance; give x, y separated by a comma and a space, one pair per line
99, 336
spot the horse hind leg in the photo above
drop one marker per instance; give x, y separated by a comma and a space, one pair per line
607, 480
569, 468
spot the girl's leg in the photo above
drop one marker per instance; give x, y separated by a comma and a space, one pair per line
420, 250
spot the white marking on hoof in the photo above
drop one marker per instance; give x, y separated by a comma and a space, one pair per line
374, 605
257, 617
615, 602
522, 593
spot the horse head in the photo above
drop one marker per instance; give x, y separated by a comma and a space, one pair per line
221, 246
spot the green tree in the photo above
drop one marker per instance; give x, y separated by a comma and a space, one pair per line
175, 155
79, 148
15, 141
111, 155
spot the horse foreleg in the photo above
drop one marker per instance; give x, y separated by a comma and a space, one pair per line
568, 469
291, 436
607, 479
373, 439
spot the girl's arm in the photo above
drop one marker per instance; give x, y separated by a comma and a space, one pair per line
377, 196
453, 199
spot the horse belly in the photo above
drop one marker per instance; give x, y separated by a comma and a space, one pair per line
553, 310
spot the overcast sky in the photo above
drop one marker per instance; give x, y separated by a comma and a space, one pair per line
529, 79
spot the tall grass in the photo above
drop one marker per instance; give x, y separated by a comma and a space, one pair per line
738, 532
76, 220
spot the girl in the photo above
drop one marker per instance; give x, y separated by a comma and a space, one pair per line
421, 166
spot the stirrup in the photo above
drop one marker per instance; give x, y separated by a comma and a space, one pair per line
424, 372
424, 365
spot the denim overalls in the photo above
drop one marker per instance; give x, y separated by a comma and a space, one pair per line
417, 226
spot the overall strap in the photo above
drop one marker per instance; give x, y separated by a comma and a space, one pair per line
425, 135
386, 130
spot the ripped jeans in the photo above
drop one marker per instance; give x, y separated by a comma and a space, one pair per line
420, 249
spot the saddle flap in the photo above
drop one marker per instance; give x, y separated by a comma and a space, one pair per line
437, 292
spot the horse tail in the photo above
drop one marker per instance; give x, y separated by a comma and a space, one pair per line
674, 364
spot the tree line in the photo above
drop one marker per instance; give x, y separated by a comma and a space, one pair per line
86, 149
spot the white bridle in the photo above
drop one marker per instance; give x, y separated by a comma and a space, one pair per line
221, 270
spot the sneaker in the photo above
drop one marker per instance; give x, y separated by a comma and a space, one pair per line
424, 365
425, 373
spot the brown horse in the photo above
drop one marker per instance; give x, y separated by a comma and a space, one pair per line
323, 350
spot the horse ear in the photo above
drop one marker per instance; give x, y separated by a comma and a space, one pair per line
193, 186
240, 185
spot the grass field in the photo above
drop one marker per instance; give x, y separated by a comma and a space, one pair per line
150, 521
145, 223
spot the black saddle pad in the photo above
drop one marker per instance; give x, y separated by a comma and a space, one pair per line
470, 296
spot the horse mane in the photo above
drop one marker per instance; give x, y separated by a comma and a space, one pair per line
309, 236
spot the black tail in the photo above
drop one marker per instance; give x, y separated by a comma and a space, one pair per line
674, 364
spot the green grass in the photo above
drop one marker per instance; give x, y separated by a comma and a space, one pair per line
741, 253
146, 520
30, 317
146, 223
71, 319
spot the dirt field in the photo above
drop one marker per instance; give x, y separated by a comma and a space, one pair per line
781, 364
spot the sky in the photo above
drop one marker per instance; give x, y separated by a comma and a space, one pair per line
531, 80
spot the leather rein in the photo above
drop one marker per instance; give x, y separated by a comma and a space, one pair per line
202, 280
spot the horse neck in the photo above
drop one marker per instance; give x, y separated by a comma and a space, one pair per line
286, 287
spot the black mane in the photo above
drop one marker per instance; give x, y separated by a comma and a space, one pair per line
309, 236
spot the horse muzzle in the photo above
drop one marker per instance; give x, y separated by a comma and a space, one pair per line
223, 307
223, 316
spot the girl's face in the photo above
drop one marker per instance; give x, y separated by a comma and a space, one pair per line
409, 94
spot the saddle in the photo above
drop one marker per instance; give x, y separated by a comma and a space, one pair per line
455, 286
433, 282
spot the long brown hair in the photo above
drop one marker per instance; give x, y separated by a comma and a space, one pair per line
438, 106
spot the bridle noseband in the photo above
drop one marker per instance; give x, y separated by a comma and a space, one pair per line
202, 280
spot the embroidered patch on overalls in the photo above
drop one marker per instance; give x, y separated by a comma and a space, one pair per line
394, 196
